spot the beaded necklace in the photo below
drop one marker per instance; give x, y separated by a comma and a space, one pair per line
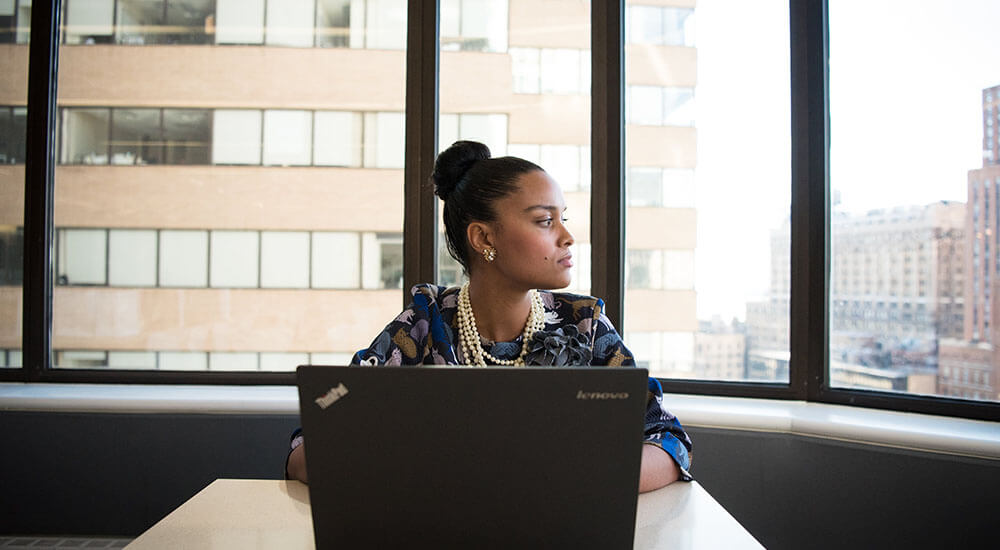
469, 334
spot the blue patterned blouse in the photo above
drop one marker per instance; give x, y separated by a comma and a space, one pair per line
426, 333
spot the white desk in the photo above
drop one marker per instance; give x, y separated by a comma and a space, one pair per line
254, 513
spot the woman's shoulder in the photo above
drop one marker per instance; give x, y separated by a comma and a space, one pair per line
426, 295
579, 305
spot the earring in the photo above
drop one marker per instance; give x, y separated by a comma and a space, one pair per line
490, 253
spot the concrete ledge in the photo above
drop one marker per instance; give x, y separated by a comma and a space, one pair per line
958, 436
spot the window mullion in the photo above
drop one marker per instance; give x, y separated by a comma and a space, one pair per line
38, 188
607, 119
810, 242
420, 205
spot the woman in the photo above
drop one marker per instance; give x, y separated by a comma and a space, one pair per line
504, 223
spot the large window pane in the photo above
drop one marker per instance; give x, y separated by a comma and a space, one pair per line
915, 181
708, 193
217, 192
14, 28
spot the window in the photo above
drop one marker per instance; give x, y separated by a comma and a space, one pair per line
660, 106
141, 22
183, 258
287, 138
85, 136
236, 137
921, 203
474, 25
662, 26
336, 259
716, 269
82, 256
290, 23
131, 257
13, 127
265, 191
234, 259
284, 259
89, 22
337, 139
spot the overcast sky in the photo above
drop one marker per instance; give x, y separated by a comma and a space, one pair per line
906, 81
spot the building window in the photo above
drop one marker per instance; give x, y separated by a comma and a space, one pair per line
336, 259
287, 138
469, 25
550, 71
284, 259
11, 255
141, 22
131, 257
660, 106
490, 129
290, 23
13, 134
183, 258
82, 256
233, 259
236, 137
663, 26
337, 138
382, 260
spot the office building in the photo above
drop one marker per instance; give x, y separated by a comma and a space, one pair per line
229, 180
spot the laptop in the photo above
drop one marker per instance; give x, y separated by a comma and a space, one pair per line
466, 457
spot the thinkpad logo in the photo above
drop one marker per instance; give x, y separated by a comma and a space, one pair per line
331, 396
601, 395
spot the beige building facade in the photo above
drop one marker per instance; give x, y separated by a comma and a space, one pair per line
232, 200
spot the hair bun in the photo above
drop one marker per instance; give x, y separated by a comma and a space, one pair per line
453, 163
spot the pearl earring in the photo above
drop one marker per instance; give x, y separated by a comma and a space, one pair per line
490, 253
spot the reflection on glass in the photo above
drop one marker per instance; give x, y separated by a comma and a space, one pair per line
916, 202
706, 190
204, 222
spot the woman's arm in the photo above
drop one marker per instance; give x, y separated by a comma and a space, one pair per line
296, 468
658, 469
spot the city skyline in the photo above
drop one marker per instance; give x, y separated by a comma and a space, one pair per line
876, 74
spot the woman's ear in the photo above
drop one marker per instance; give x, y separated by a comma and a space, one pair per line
480, 237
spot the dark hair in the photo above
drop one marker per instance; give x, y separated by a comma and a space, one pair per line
470, 182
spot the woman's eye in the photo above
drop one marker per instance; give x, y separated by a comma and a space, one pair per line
546, 222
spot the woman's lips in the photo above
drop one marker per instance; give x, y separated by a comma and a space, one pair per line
567, 261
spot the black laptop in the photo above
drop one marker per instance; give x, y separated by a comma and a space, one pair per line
464, 457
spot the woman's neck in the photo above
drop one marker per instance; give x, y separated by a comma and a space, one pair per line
501, 311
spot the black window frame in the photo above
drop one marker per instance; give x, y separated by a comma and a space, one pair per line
810, 209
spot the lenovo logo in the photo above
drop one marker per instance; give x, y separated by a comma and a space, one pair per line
331, 396
601, 395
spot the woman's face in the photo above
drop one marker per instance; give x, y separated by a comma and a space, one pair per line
530, 234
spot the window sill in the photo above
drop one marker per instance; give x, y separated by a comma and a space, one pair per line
958, 436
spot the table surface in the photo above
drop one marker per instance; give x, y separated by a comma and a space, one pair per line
257, 513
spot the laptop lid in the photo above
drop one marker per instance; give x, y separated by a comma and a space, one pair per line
473, 457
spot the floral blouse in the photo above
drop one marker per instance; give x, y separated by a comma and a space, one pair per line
426, 333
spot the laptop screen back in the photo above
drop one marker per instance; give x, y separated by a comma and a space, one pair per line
472, 457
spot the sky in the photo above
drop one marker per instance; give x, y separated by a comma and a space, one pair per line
906, 81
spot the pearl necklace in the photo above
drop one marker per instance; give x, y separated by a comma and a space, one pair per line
469, 334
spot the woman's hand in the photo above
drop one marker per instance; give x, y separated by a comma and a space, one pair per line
658, 469
297, 464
